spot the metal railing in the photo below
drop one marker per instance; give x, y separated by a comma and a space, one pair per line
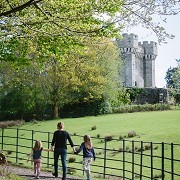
119, 158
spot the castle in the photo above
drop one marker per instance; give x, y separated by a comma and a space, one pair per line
138, 60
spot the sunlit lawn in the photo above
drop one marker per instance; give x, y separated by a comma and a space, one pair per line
162, 126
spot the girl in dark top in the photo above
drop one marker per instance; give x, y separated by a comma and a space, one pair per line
36, 157
88, 154
59, 146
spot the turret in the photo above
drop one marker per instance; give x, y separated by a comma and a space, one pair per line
128, 41
150, 53
150, 48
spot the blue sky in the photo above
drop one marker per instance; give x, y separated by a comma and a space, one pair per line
167, 53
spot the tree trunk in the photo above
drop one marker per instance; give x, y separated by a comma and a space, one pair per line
56, 111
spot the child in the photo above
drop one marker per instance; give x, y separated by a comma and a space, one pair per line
88, 154
36, 157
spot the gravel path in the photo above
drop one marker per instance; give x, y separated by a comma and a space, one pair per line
28, 173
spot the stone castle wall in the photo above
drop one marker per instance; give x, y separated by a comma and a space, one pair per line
138, 60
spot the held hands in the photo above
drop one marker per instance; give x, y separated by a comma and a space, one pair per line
52, 148
74, 150
29, 156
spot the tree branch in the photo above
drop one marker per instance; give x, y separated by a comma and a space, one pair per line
19, 8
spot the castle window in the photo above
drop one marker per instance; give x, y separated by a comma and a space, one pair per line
135, 84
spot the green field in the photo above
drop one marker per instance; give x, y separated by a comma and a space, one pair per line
156, 127
161, 126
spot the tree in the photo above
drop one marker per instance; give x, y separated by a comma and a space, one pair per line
173, 77
84, 76
73, 19
16, 91
173, 82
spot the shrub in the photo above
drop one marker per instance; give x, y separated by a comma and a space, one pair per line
99, 153
72, 159
140, 149
141, 108
5, 124
93, 128
147, 146
108, 138
131, 134
98, 135
121, 137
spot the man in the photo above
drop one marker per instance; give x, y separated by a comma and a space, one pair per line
59, 146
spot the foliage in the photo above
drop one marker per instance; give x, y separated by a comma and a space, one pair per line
173, 77
141, 108
79, 78
173, 82
5, 124
134, 92
21, 93
123, 98
72, 19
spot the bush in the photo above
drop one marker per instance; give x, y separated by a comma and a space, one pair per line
147, 147
141, 108
93, 128
121, 137
72, 159
5, 124
108, 138
131, 134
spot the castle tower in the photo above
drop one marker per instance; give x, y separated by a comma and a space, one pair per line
138, 60
150, 53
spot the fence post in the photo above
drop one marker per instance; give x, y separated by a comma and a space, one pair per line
151, 160
17, 144
48, 148
132, 159
141, 160
162, 168
2, 138
105, 147
172, 161
124, 158
32, 141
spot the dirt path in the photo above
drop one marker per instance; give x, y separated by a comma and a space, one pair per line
28, 173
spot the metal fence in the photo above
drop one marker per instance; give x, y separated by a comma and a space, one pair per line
116, 158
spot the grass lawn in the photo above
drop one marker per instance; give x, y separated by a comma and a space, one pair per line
160, 126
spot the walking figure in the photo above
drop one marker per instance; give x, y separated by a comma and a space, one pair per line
36, 157
88, 154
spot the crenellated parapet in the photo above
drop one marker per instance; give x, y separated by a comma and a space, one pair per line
149, 48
